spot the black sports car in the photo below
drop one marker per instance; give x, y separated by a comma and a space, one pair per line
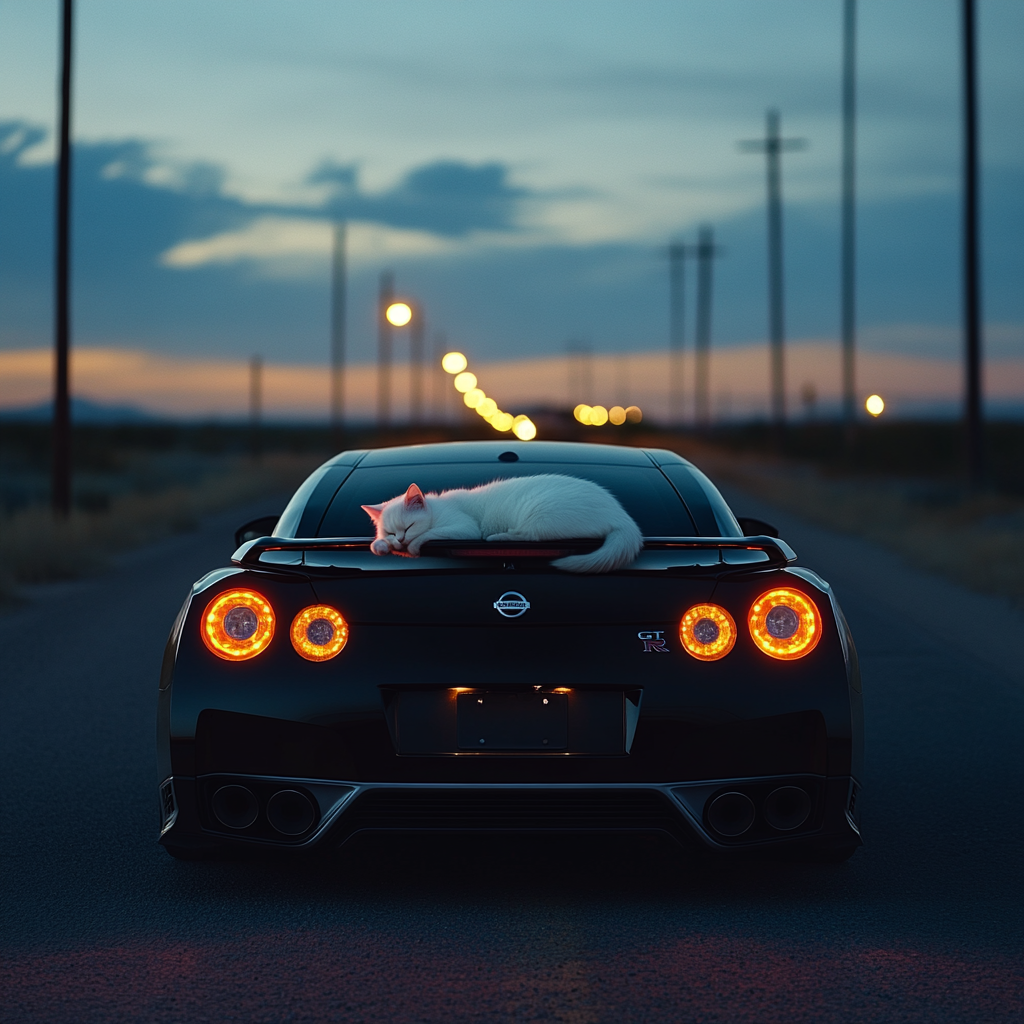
710, 690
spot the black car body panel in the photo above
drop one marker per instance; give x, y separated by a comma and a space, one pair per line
595, 715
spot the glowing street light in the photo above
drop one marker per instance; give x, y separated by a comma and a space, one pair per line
523, 428
874, 405
454, 362
598, 415
474, 397
398, 314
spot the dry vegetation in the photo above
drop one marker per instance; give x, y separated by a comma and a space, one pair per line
939, 525
35, 547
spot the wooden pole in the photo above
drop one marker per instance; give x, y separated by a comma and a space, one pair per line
61, 490
387, 291
773, 145
972, 256
849, 238
416, 340
706, 253
338, 339
677, 253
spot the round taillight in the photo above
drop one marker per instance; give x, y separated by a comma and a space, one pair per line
238, 625
785, 624
319, 632
708, 632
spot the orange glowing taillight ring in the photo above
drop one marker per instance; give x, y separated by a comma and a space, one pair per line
785, 624
238, 625
319, 632
708, 632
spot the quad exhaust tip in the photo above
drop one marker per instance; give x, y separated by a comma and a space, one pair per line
290, 812
733, 813
787, 808
235, 806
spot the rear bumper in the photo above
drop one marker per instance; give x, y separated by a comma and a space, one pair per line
340, 810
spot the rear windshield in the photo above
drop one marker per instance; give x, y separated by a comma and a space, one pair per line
644, 493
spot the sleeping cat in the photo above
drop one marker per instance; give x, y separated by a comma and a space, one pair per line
546, 507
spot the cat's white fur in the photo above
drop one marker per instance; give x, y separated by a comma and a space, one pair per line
545, 507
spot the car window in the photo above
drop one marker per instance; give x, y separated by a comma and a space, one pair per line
644, 492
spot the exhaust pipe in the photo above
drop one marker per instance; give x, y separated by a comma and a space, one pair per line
235, 806
731, 814
291, 812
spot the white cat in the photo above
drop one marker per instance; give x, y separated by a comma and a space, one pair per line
546, 507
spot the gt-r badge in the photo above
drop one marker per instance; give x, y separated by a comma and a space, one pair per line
511, 604
653, 641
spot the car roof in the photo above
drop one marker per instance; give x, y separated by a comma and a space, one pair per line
528, 452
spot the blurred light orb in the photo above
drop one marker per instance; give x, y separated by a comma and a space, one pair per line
524, 429
454, 362
633, 414
582, 413
398, 314
487, 408
465, 382
874, 405
473, 397
598, 416
502, 421
617, 415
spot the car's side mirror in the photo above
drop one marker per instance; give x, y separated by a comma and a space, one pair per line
262, 527
756, 527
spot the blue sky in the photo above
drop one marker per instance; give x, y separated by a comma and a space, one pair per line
520, 166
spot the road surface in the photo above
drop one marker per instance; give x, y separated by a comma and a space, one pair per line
924, 924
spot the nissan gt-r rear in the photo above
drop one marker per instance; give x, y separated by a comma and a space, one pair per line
313, 690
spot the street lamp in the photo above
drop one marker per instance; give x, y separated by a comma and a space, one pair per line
398, 314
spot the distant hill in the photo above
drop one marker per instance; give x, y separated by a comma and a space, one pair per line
82, 411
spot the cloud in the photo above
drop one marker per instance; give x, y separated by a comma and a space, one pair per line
291, 246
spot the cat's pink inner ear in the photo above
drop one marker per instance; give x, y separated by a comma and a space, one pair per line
414, 497
374, 511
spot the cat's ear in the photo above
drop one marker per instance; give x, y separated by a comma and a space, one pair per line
414, 499
374, 511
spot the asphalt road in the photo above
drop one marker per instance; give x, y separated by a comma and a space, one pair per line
924, 924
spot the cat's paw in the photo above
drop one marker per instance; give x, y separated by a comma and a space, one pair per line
499, 536
380, 547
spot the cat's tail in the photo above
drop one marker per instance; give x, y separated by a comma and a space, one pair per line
620, 547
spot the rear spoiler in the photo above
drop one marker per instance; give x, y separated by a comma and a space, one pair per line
779, 553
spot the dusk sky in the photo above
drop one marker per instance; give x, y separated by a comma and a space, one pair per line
521, 166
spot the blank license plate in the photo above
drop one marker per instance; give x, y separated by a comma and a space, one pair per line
513, 721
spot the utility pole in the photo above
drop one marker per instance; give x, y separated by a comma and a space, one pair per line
581, 372
773, 146
706, 253
61, 489
387, 292
255, 403
849, 256
677, 253
338, 318
439, 379
416, 365
971, 255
